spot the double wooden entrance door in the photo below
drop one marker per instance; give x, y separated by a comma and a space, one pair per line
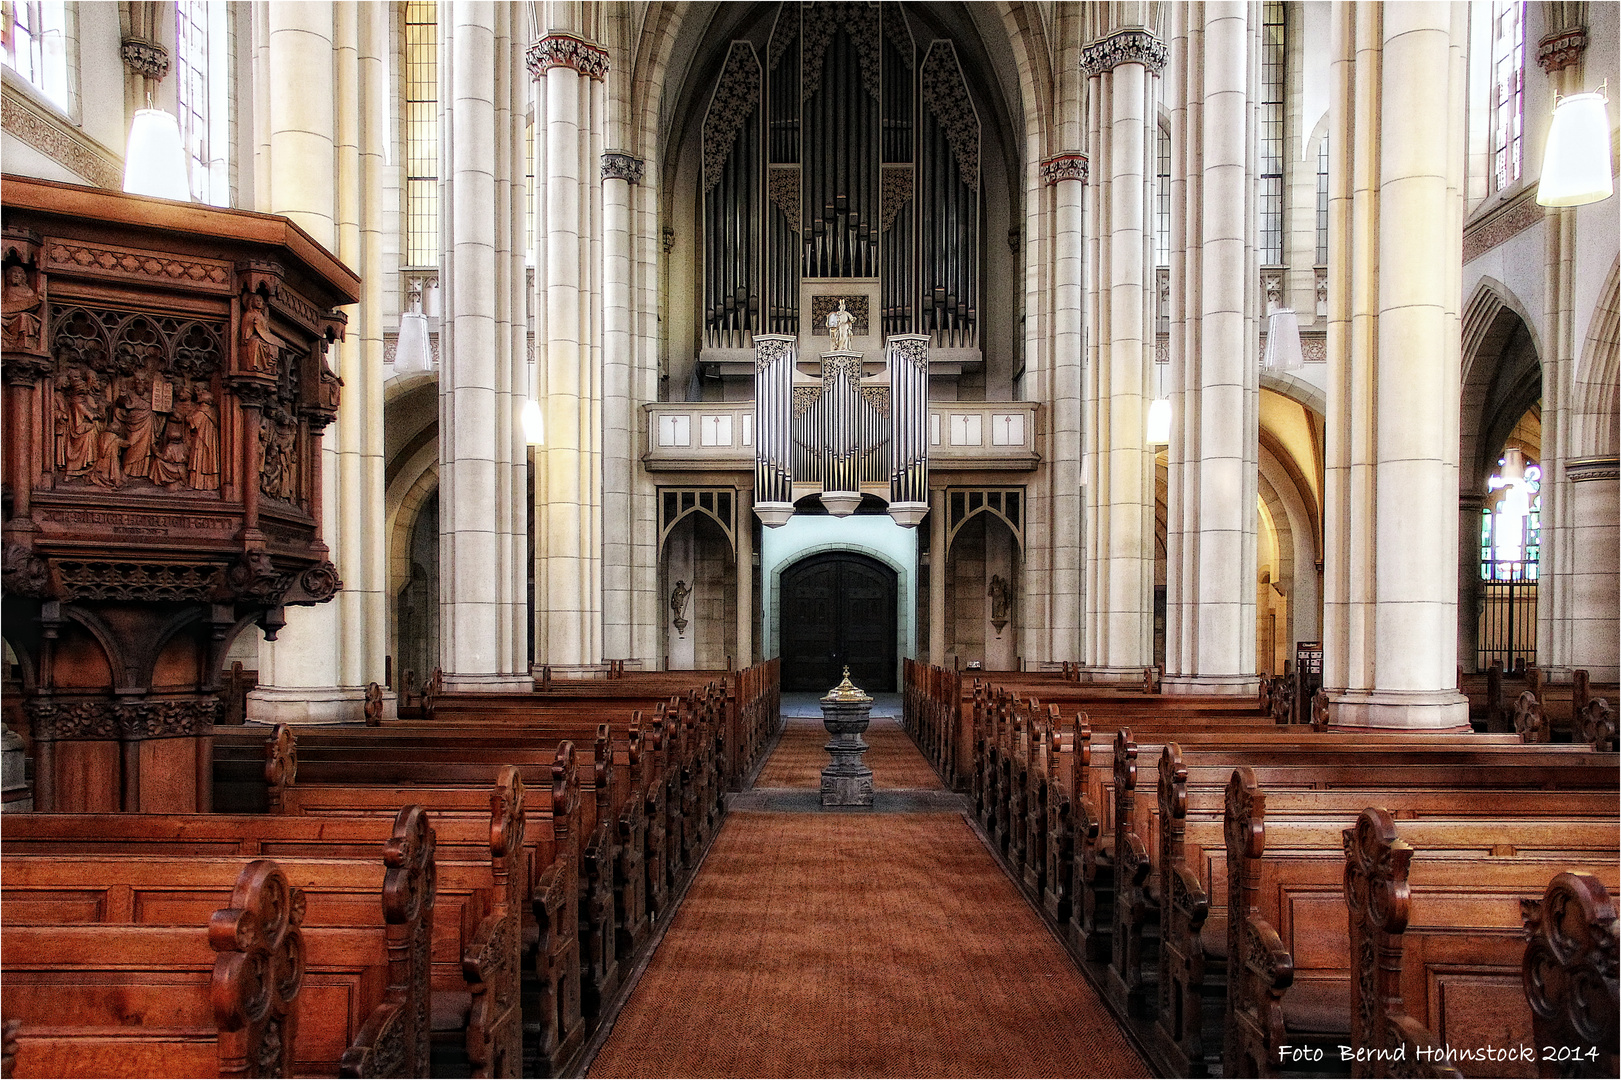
838, 608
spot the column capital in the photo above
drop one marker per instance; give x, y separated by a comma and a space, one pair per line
1592, 468
567, 50
618, 165
1126, 47
144, 57
1070, 165
1562, 48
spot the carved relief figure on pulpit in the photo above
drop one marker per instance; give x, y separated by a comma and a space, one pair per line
203, 454
169, 467
259, 351
140, 426
840, 328
83, 425
110, 441
21, 306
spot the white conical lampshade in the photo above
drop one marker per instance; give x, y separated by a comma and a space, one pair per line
1159, 422
413, 352
1283, 351
155, 160
534, 425
1576, 163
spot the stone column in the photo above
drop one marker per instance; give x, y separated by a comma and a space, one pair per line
568, 73
482, 472
620, 172
1396, 220
1562, 574
1595, 499
745, 577
937, 577
1121, 130
322, 165
1215, 387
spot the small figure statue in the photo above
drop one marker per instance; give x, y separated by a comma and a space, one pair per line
259, 351
140, 426
999, 602
168, 468
84, 422
678, 605
203, 457
20, 309
840, 328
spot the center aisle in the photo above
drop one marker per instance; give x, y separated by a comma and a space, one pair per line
859, 944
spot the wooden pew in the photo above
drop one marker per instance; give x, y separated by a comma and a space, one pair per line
1288, 984
219, 997
540, 850
367, 931
1571, 944
482, 881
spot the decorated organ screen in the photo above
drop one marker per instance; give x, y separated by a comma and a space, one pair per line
848, 150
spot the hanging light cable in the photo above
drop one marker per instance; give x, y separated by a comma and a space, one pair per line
1576, 161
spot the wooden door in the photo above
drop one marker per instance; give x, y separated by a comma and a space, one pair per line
838, 608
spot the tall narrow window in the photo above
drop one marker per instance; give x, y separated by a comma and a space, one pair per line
421, 133
1322, 202
1508, 91
1162, 199
203, 87
1272, 62
35, 45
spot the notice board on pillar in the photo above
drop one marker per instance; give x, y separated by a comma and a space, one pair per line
1308, 674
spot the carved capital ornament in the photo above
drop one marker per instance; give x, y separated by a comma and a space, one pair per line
1067, 166
618, 165
566, 50
1126, 47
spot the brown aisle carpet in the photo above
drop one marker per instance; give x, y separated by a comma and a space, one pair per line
841, 945
893, 758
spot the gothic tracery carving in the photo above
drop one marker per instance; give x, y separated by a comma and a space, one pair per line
822, 22
946, 95
737, 96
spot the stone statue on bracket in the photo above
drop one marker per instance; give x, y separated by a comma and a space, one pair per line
999, 603
840, 327
678, 606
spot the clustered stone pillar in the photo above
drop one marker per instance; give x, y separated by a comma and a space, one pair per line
1121, 128
1576, 589
322, 163
620, 173
1215, 380
938, 530
483, 476
1391, 444
570, 105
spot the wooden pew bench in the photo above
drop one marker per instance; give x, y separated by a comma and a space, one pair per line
217, 997
1291, 978
366, 930
474, 908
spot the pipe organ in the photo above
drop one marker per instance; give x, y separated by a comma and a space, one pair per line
844, 435
848, 151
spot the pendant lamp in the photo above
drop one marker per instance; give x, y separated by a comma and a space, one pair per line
154, 159
413, 352
1283, 352
1576, 162
534, 424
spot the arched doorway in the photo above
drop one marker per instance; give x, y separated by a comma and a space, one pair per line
838, 608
